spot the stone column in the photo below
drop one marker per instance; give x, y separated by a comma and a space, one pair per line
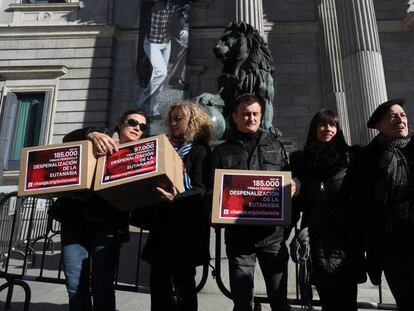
249, 11
334, 88
362, 64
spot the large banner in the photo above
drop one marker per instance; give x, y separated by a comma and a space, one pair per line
163, 47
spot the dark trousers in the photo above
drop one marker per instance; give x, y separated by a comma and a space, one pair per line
399, 272
173, 289
273, 263
338, 297
89, 257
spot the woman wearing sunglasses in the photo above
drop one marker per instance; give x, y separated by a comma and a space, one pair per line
91, 229
179, 232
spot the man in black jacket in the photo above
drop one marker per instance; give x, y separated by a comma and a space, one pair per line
383, 191
250, 148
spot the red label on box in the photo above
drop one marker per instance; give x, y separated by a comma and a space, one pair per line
53, 168
131, 161
252, 197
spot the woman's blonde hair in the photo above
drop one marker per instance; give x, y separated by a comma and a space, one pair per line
199, 124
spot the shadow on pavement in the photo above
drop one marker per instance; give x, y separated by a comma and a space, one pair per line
37, 306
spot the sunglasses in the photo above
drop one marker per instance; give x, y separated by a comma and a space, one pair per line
134, 123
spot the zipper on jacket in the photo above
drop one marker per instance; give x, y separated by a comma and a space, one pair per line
322, 186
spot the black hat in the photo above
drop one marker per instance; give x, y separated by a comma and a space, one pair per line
382, 110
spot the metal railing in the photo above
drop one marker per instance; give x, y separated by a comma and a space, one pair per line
30, 250
30, 247
8, 243
258, 300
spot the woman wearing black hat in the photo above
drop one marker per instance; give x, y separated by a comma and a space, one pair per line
384, 191
321, 169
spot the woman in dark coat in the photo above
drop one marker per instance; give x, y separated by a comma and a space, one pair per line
179, 232
91, 228
321, 169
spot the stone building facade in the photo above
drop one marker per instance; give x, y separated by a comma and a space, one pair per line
75, 62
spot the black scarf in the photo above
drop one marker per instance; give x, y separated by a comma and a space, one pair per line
249, 141
326, 160
392, 188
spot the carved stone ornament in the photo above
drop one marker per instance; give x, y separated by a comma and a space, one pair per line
44, 16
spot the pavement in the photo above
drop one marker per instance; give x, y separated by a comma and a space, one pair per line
53, 296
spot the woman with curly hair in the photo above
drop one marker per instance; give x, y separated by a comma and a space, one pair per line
335, 260
179, 233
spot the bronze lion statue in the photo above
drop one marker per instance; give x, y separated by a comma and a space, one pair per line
248, 67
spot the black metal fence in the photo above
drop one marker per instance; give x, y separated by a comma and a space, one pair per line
30, 247
379, 305
30, 250
8, 244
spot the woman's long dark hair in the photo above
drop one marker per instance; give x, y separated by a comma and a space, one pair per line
325, 116
325, 160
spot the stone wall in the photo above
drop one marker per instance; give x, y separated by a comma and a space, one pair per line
83, 92
297, 80
290, 10
101, 81
397, 46
390, 9
397, 52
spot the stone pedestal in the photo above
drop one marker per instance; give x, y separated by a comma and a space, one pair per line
362, 65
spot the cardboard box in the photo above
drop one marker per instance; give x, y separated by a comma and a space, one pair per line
127, 178
56, 169
243, 197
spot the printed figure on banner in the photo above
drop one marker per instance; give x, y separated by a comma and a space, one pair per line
163, 46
